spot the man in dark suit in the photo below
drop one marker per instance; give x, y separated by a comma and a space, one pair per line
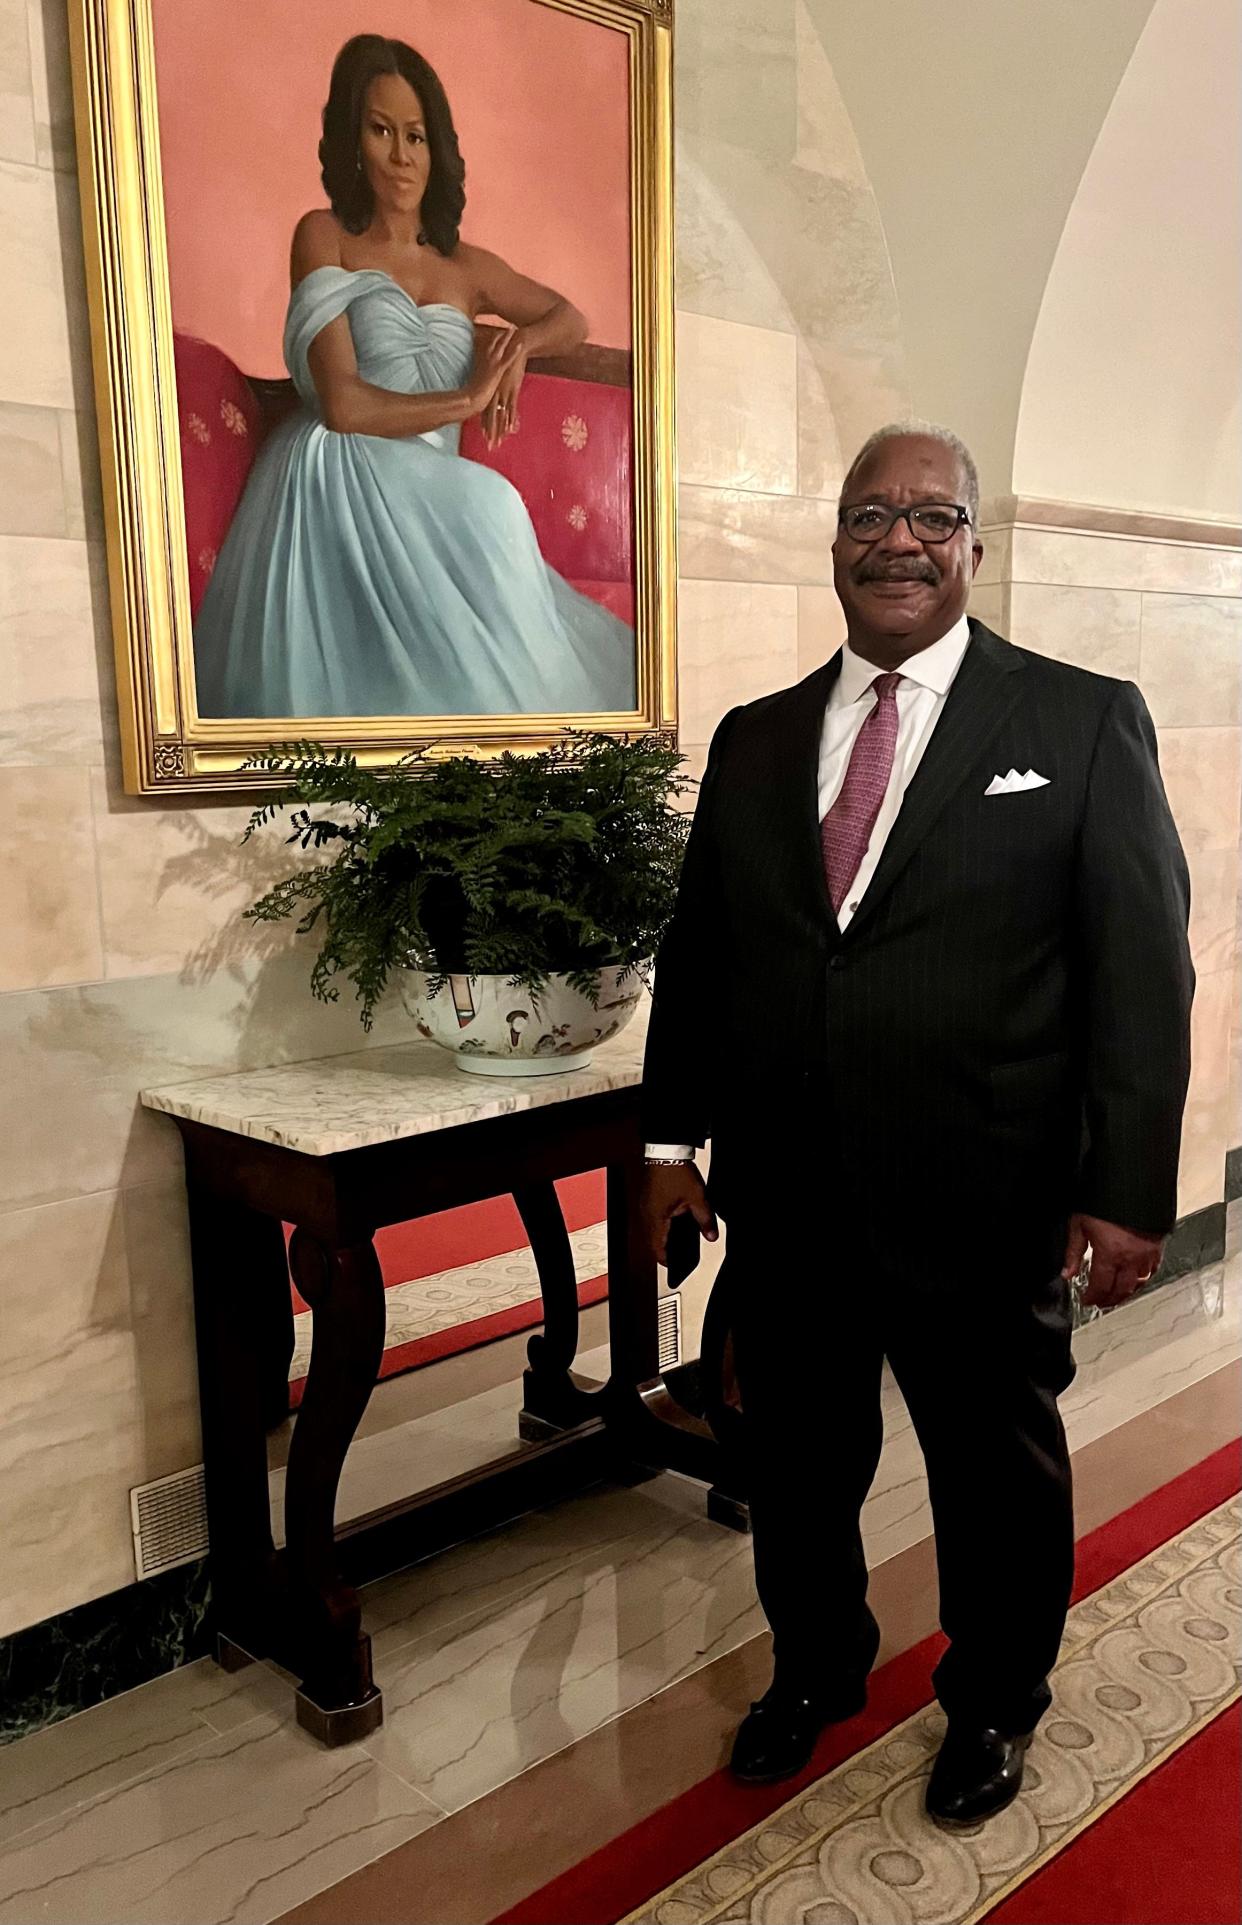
927, 990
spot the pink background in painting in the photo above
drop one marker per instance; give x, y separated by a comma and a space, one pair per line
540, 100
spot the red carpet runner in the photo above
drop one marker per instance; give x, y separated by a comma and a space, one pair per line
1184, 1874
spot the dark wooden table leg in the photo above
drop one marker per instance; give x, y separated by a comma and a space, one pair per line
553, 1399
646, 1418
238, 1260
338, 1701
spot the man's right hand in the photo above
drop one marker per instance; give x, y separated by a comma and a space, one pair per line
669, 1190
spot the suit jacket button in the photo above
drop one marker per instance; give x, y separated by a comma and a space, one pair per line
837, 962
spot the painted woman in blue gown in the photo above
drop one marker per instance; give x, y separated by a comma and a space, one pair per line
371, 569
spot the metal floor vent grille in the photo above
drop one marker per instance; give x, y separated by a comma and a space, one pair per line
170, 1521
669, 1332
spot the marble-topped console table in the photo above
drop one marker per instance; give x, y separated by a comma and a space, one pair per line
339, 1148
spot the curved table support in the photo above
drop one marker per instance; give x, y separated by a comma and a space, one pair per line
345, 1290
553, 1398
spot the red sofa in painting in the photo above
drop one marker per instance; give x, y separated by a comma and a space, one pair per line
570, 461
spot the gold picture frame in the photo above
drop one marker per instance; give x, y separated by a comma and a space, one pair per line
167, 746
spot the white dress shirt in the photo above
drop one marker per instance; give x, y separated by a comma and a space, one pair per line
926, 679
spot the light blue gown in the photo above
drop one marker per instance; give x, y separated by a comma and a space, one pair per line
369, 576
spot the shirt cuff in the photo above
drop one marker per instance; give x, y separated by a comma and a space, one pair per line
670, 1152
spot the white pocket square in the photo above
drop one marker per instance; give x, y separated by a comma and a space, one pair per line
1014, 784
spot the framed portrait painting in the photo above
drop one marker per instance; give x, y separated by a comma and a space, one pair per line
382, 325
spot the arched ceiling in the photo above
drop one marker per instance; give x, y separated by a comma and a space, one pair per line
975, 123
1131, 394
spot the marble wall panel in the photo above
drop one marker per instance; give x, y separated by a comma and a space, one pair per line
989, 603
32, 493
35, 346
174, 882
54, 651
1058, 555
1095, 628
52, 83
821, 627
737, 641
1213, 887
50, 932
725, 534
76, 1059
70, 1418
17, 119
737, 405
1191, 668
1202, 770
821, 460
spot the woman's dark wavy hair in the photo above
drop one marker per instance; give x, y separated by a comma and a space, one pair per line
360, 61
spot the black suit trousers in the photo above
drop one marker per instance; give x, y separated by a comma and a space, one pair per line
980, 1373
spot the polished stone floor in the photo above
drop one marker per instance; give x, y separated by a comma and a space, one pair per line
198, 1798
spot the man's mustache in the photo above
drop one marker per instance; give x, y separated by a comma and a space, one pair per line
904, 571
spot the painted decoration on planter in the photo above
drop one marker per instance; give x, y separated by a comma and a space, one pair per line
508, 1032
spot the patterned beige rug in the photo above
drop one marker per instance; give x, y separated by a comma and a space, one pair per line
1146, 1663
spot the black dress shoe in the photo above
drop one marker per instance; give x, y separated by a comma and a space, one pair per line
978, 1773
777, 1737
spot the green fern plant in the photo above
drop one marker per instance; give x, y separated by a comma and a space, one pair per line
529, 866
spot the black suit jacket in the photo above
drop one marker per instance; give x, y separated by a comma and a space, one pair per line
1001, 1034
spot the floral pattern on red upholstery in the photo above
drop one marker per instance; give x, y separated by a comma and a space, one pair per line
221, 431
571, 462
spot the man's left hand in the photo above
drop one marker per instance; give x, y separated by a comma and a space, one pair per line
1120, 1259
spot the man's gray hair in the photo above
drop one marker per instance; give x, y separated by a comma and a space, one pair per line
929, 431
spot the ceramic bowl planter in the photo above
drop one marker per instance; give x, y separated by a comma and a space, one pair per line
493, 1029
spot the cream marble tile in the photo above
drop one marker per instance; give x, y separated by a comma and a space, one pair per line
51, 925
736, 641
1205, 1131
53, 83
35, 351
989, 604
720, 269
241, 1828
800, 248
512, 1566
32, 500
996, 565
1095, 628
50, 1772
725, 534
468, 1712
53, 649
695, 762
71, 1436
821, 627
83, 489
737, 405
75, 1060
1192, 659
157, 1244
1135, 1357
1213, 888
1202, 771
1209, 1034
736, 72
174, 883
17, 132
1056, 555
821, 461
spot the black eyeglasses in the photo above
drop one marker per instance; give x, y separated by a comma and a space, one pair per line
932, 521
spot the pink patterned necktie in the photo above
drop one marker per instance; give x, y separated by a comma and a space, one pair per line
846, 829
